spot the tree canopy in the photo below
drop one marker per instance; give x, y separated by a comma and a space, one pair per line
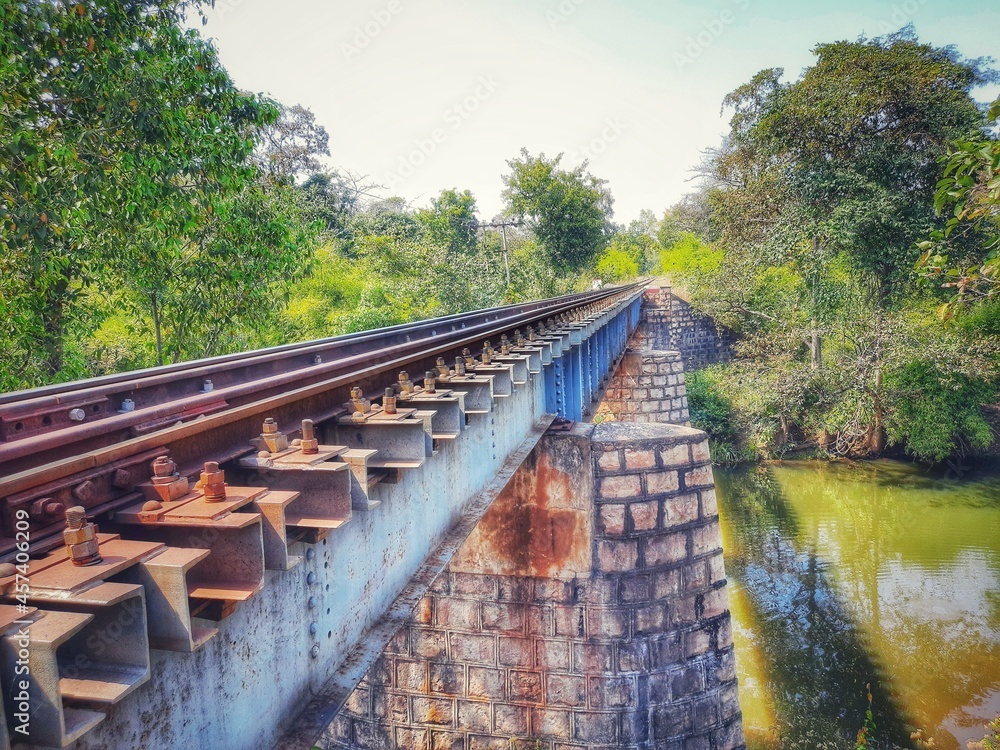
568, 210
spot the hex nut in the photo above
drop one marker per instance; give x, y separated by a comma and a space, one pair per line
79, 536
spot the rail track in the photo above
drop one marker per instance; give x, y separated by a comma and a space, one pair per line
90, 443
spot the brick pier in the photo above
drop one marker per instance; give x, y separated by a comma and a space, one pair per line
588, 609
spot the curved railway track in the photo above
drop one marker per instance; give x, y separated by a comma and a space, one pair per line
92, 440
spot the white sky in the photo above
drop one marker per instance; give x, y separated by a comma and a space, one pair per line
636, 83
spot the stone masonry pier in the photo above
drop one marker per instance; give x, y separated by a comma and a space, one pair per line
588, 608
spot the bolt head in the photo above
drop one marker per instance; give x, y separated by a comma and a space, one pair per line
164, 467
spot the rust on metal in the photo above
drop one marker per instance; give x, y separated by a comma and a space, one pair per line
213, 482
308, 444
80, 538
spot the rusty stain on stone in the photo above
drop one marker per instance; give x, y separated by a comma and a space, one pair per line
540, 525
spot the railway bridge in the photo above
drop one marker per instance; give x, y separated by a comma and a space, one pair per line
489, 530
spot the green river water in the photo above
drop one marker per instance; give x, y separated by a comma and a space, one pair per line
843, 574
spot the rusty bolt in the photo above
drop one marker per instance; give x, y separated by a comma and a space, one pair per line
309, 445
270, 427
213, 482
487, 353
80, 537
504, 345
122, 479
531, 333
442, 367
85, 492
164, 467
460, 367
405, 385
165, 471
389, 402
430, 382
46, 508
469, 361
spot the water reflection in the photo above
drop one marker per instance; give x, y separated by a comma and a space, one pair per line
845, 574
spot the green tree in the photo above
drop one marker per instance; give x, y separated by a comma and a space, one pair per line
450, 221
568, 210
616, 265
290, 145
817, 197
120, 134
966, 253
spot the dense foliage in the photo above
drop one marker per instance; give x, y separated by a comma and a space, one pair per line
150, 211
816, 205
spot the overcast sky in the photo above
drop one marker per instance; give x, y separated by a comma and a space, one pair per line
424, 95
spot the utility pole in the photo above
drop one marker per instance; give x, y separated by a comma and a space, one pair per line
502, 226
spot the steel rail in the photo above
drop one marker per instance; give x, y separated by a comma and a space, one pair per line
66, 393
171, 393
267, 395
